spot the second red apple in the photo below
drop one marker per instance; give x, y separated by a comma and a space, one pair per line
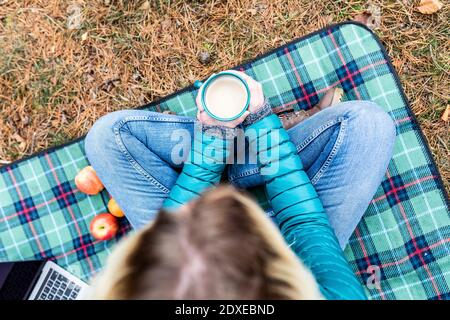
104, 226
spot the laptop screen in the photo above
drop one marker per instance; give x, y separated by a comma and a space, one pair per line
5, 268
17, 279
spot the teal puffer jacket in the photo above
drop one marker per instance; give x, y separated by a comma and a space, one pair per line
299, 213
202, 170
298, 210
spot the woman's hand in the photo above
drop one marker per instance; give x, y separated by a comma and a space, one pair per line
204, 118
256, 91
256, 101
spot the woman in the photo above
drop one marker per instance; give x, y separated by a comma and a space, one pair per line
214, 243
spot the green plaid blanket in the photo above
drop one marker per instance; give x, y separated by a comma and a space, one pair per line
403, 238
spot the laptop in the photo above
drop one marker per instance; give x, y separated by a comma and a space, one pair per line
39, 280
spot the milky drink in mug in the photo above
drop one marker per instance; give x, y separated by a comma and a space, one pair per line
225, 96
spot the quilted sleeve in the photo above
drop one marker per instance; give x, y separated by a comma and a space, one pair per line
203, 169
298, 210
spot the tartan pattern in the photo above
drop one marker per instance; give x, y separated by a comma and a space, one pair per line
405, 232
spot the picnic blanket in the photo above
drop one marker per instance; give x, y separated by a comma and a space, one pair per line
402, 241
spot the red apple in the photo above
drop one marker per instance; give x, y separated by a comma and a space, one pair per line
104, 226
88, 182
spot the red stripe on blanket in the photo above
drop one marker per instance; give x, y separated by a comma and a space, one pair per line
338, 49
123, 230
25, 212
299, 80
77, 227
403, 187
288, 104
40, 205
366, 257
408, 257
413, 238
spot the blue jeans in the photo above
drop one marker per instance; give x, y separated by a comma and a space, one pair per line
345, 150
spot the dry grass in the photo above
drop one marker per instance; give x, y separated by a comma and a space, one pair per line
56, 81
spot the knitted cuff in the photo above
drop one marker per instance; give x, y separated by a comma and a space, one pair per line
261, 113
219, 131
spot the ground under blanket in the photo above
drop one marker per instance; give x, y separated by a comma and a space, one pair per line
404, 236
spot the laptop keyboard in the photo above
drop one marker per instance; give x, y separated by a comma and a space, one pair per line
57, 287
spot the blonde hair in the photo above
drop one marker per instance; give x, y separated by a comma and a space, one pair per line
222, 247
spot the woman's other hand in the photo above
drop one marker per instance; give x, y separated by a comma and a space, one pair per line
256, 101
256, 91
